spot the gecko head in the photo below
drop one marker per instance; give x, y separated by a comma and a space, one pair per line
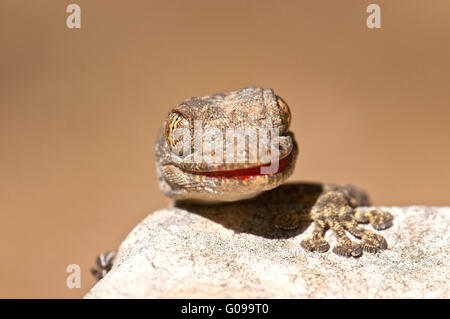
226, 146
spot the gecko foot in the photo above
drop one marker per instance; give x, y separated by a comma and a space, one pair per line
104, 263
334, 210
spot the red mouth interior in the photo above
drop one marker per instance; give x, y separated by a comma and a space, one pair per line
246, 173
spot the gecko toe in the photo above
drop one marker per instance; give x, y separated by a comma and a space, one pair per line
382, 220
348, 250
319, 245
372, 243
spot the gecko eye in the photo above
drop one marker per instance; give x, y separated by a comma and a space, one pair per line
174, 122
285, 113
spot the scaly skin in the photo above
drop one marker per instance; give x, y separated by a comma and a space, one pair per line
251, 108
327, 205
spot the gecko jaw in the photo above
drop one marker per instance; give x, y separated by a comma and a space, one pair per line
246, 173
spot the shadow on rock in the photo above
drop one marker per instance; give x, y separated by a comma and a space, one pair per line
257, 215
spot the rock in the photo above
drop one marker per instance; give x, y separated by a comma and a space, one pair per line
176, 253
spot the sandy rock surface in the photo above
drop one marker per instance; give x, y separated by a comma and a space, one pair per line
175, 253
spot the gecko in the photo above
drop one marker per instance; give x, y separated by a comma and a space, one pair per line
200, 176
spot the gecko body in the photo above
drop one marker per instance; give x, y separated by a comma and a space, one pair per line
199, 184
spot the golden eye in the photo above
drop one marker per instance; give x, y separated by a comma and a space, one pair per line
284, 112
173, 122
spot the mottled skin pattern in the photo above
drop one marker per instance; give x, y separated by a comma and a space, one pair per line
328, 206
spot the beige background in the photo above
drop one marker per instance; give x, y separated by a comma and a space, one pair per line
79, 110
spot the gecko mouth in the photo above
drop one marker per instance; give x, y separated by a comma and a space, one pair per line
246, 173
